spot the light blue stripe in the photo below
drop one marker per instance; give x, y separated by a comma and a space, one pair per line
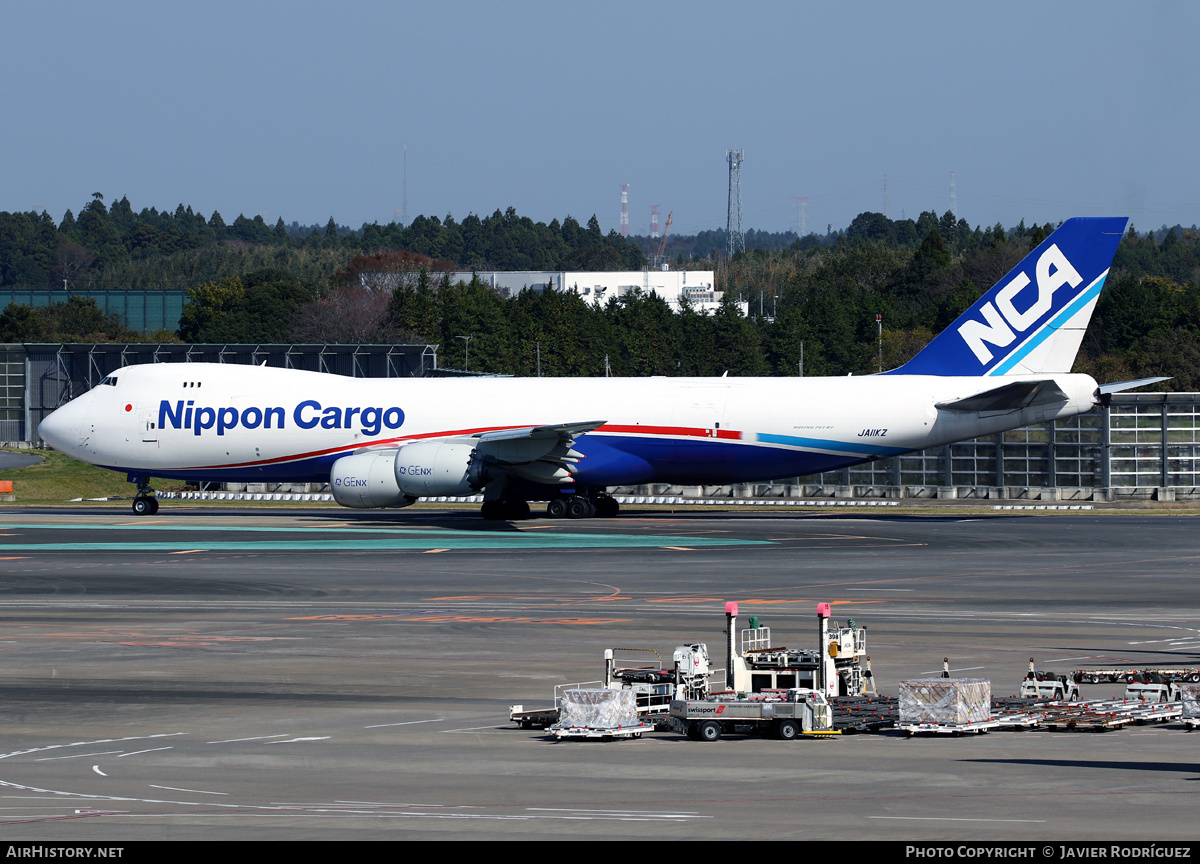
1050, 327
824, 444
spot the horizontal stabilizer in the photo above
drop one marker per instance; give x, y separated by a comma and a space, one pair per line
1010, 397
1120, 386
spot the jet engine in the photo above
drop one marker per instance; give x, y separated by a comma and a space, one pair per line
368, 480
434, 468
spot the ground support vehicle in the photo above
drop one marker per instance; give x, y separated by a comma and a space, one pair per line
782, 714
838, 667
652, 685
1112, 676
1038, 684
1153, 691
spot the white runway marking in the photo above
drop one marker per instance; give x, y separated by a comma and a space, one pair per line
405, 723
298, 740
256, 738
96, 768
77, 756
192, 791
138, 752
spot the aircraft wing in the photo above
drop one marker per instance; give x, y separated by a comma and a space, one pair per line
534, 443
1009, 397
560, 432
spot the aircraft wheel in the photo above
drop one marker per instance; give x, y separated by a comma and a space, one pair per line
607, 507
143, 506
492, 510
557, 508
516, 510
580, 508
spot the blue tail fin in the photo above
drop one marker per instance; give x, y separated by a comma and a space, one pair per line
1032, 321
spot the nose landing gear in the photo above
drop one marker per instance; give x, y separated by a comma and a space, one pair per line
144, 503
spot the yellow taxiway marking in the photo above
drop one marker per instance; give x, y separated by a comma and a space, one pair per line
433, 551
679, 548
186, 551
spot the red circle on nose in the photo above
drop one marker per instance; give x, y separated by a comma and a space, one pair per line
128, 407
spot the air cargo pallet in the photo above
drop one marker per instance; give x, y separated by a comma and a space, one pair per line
600, 732
978, 728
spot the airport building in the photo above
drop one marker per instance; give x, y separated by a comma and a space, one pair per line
144, 311
696, 287
1140, 446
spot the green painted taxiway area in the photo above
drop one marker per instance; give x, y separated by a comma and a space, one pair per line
151, 538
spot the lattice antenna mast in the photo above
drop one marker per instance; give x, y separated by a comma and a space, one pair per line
953, 197
404, 210
802, 220
624, 209
887, 210
733, 222
654, 221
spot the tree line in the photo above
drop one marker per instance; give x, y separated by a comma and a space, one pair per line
812, 302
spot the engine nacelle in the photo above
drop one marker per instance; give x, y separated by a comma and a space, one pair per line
368, 480
435, 468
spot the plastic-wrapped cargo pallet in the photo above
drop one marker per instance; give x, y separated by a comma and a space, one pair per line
597, 709
1191, 700
946, 700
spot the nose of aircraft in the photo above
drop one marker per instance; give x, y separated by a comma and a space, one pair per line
61, 429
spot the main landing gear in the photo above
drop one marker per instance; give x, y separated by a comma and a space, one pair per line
144, 503
582, 507
510, 510
576, 506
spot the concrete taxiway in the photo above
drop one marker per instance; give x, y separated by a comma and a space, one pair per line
324, 674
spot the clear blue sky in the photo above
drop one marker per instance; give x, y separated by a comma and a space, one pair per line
302, 109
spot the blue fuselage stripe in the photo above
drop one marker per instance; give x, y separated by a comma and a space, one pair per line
621, 460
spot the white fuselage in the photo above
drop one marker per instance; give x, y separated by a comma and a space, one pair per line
243, 423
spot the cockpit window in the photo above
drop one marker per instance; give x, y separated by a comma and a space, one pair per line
111, 381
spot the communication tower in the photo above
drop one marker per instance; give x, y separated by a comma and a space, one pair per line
624, 209
733, 223
953, 197
887, 210
654, 221
802, 221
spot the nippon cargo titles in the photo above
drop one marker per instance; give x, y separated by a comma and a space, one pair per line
309, 414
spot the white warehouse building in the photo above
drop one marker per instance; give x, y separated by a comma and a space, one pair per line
598, 287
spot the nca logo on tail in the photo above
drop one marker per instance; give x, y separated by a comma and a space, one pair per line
1053, 272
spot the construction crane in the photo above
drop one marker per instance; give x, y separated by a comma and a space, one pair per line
662, 246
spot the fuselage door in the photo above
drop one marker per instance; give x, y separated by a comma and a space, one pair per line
149, 426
